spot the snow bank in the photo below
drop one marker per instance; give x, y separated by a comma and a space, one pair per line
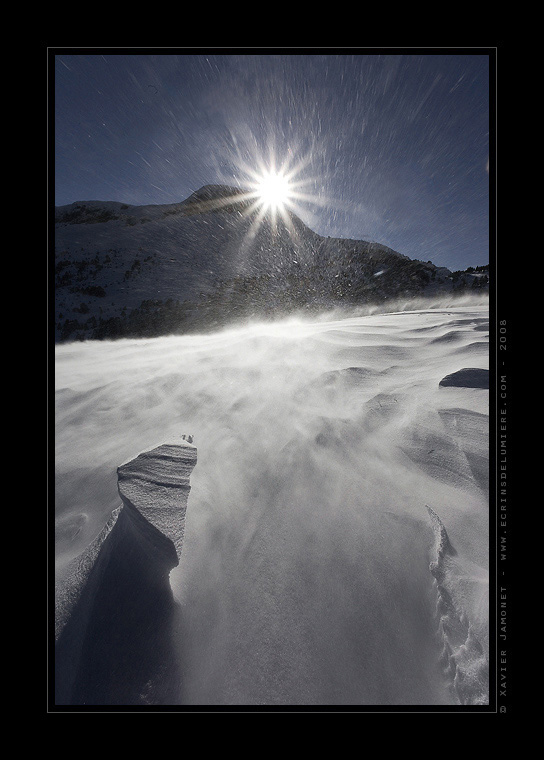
464, 658
120, 582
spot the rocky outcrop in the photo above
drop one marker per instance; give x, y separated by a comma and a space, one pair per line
113, 603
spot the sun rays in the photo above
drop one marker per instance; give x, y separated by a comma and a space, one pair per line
274, 190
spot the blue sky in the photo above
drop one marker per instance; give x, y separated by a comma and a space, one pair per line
390, 146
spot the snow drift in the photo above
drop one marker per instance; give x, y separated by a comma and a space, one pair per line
118, 587
335, 547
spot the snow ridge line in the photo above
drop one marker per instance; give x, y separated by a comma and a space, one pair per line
69, 591
156, 507
463, 659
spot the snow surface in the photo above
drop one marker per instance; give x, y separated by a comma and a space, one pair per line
156, 484
336, 535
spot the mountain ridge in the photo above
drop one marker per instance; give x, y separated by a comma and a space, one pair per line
125, 270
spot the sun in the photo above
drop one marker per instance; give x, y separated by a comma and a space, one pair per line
273, 190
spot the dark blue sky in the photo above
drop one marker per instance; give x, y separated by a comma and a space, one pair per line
395, 144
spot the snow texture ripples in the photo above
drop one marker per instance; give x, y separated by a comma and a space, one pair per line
336, 536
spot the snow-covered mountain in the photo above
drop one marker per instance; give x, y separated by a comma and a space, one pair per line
150, 270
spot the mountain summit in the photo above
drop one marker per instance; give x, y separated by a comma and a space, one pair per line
149, 270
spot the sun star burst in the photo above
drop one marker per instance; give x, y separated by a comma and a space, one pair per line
273, 190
